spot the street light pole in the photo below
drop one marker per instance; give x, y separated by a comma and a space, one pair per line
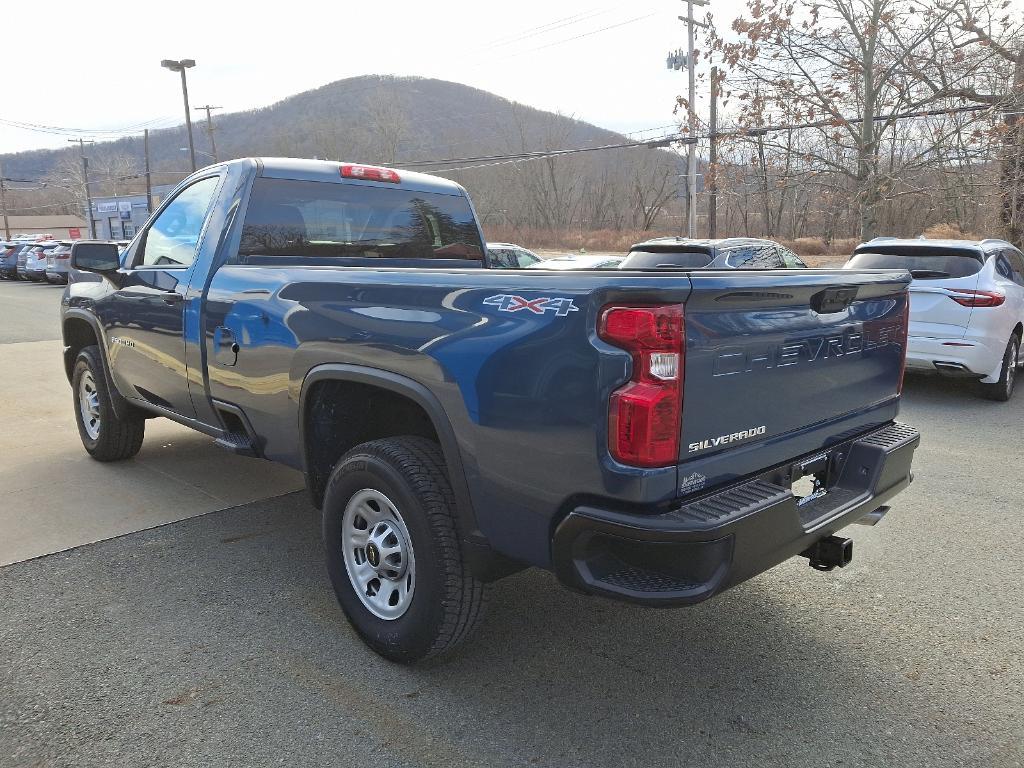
181, 66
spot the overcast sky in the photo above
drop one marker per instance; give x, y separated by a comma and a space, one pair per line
98, 66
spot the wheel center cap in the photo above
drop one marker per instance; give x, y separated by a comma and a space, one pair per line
372, 555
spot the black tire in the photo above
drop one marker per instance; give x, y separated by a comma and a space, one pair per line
115, 439
1002, 390
448, 600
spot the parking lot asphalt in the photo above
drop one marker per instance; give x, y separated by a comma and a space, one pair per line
216, 640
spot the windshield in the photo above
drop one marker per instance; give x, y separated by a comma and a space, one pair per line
923, 263
321, 219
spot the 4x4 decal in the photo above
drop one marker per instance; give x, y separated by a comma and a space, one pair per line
506, 302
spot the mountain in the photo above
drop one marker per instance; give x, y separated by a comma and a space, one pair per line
393, 121
369, 119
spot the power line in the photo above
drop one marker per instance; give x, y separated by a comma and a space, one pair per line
550, 26
75, 132
483, 161
667, 140
585, 34
679, 138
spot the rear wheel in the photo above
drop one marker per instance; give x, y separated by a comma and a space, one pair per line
105, 436
1002, 390
393, 550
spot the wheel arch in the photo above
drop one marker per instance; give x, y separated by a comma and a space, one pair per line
80, 329
394, 385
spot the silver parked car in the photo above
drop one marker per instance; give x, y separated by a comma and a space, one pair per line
57, 262
35, 260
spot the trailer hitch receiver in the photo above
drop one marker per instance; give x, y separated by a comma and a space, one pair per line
826, 554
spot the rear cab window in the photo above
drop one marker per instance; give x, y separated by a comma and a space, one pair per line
324, 222
923, 262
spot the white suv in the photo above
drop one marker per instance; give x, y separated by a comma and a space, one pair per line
966, 306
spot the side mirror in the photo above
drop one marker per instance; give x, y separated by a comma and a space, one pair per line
92, 256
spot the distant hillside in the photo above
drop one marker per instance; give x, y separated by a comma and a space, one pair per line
392, 121
354, 119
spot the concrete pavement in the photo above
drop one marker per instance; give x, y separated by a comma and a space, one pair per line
54, 495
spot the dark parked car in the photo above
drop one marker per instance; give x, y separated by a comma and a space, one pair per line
725, 253
9, 260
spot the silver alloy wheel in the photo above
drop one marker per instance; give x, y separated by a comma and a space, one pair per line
378, 554
89, 405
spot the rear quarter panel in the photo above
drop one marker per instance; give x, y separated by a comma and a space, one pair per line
525, 389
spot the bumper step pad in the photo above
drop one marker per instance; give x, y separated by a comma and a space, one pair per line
689, 553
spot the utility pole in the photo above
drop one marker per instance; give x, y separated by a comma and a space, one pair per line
691, 149
149, 184
675, 61
712, 176
209, 128
3, 205
85, 182
181, 66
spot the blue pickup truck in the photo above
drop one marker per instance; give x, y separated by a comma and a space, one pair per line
655, 437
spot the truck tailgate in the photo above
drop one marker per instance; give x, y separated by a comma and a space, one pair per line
773, 356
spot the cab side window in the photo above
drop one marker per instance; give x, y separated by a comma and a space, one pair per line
501, 258
1003, 267
525, 258
790, 259
1016, 262
173, 238
755, 257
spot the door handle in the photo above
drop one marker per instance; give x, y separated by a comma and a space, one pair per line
226, 348
172, 298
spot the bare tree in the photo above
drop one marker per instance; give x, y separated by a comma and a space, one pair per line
838, 60
979, 58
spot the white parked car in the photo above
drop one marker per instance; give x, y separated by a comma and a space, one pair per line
966, 306
579, 261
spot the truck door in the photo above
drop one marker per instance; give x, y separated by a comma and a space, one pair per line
144, 318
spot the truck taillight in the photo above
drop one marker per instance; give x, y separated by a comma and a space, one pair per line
644, 415
905, 342
968, 298
369, 173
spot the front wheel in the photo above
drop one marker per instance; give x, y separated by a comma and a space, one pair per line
1002, 390
393, 550
105, 436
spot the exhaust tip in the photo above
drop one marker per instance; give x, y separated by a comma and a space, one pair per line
874, 517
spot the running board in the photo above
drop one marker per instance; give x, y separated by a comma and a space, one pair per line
238, 435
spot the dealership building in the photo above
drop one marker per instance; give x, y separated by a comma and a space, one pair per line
119, 217
57, 226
